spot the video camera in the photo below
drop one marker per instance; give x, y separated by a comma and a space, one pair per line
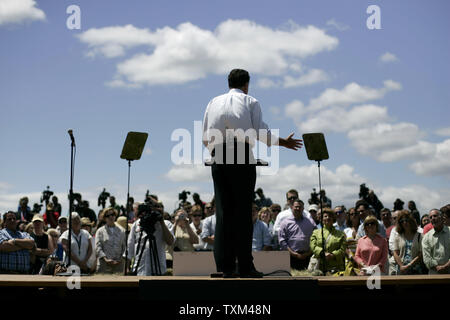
150, 213
363, 191
314, 197
182, 196
102, 198
46, 194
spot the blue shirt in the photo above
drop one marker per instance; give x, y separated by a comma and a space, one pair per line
209, 229
261, 236
18, 261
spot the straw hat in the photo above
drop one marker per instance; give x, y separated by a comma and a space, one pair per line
37, 217
85, 221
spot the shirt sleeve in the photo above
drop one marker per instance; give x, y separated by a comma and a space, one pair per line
282, 238
262, 129
340, 252
316, 247
99, 244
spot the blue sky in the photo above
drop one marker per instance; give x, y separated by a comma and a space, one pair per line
380, 96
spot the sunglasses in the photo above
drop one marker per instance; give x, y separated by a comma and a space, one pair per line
197, 215
403, 221
292, 198
369, 224
109, 215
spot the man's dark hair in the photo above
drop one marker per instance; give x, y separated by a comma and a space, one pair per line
238, 78
299, 201
361, 203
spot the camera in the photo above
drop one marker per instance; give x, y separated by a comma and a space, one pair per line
150, 213
314, 197
182, 196
182, 216
46, 194
102, 198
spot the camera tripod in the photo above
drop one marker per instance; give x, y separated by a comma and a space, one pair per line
155, 267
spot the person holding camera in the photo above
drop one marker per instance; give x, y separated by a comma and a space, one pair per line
185, 237
150, 227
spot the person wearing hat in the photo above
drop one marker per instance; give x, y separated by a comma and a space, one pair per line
62, 225
44, 244
110, 243
313, 209
15, 247
51, 216
87, 225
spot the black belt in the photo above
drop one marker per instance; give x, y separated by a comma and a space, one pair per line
258, 162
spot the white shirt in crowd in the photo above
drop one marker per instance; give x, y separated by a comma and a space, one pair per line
145, 265
79, 246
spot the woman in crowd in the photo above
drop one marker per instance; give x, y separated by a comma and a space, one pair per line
110, 244
197, 225
81, 247
353, 222
335, 244
425, 220
185, 237
58, 252
265, 215
407, 245
372, 249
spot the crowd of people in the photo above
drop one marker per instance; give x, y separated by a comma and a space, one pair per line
320, 239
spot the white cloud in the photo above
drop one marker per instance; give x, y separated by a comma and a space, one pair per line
266, 83
338, 25
388, 57
312, 77
445, 132
338, 119
382, 137
436, 162
189, 173
19, 11
352, 93
187, 52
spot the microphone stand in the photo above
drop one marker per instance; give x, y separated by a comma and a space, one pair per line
324, 260
126, 227
72, 160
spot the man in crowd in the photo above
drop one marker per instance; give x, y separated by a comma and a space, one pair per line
209, 230
294, 236
15, 247
436, 245
291, 196
341, 217
364, 210
313, 210
146, 266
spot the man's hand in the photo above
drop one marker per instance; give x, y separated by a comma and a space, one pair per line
290, 142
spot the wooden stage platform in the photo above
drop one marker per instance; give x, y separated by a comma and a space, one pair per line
176, 289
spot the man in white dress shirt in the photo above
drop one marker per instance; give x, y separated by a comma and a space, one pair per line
231, 124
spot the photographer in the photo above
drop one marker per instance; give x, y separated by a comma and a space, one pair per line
151, 216
185, 237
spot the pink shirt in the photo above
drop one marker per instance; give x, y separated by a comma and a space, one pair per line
372, 252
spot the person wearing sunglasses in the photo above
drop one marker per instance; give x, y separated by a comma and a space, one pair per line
197, 226
407, 245
372, 249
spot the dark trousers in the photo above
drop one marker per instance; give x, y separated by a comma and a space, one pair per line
234, 186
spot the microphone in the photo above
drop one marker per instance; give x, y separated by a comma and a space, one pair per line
70, 132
